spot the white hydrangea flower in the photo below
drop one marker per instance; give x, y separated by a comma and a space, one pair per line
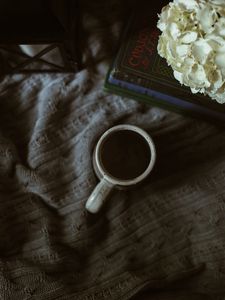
193, 43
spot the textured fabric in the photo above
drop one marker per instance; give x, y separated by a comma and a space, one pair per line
168, 236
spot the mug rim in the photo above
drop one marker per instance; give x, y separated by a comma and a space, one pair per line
122, 182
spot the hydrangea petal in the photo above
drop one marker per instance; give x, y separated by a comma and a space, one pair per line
193, 44
189, 37
206, 17
201, 50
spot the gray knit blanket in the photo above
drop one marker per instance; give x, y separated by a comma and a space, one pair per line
167, 236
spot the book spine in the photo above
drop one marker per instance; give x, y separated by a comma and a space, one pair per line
145, 92
131, 78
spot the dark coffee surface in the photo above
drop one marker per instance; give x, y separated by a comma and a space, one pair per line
125, 154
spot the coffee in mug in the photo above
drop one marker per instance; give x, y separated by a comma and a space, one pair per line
123, 157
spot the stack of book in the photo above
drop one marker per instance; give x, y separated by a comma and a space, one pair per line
138, 71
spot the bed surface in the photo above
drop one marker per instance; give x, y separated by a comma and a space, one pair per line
168, 236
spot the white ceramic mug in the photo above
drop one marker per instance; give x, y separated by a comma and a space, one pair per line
123, 157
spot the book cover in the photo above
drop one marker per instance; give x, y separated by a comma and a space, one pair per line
139, 72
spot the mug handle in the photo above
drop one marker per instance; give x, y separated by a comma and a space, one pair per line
98, 196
